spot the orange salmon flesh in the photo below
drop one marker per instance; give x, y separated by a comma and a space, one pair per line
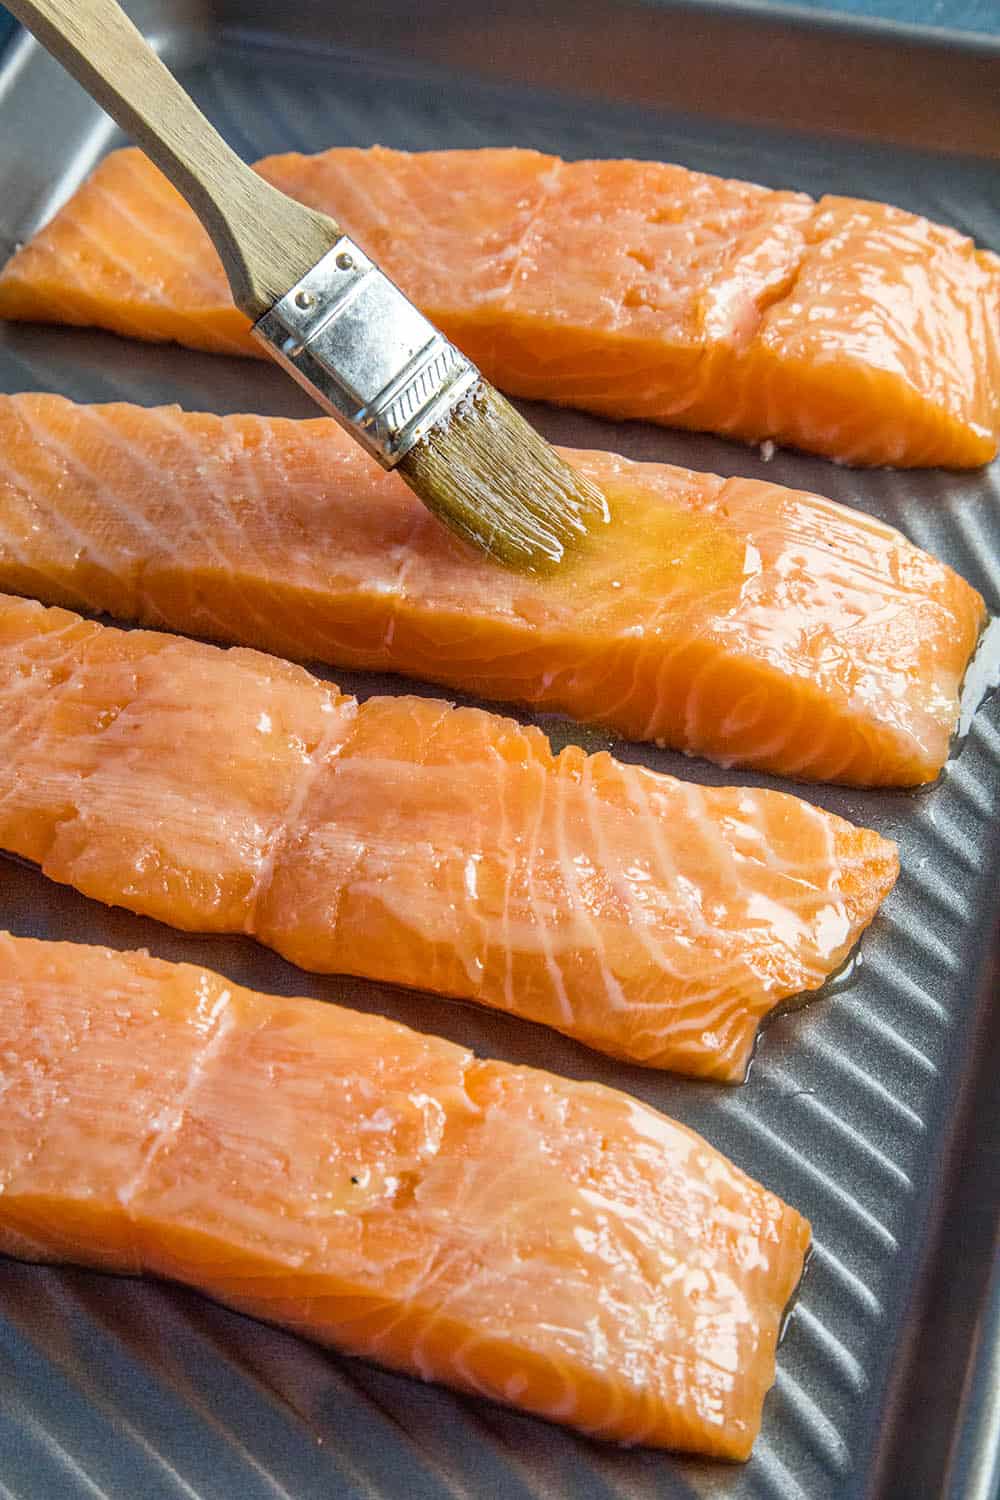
552, 1245
408, 841
756, 625
628, 288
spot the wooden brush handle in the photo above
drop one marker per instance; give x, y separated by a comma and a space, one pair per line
267, 242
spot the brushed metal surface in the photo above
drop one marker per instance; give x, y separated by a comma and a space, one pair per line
742, 61
856, 1102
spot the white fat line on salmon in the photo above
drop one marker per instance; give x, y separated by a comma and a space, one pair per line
342, 716
221, 1021
211, 492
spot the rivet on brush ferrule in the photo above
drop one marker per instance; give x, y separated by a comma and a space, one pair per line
362, 350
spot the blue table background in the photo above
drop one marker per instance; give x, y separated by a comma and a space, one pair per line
960, 15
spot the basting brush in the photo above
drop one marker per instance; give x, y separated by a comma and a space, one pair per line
329, 316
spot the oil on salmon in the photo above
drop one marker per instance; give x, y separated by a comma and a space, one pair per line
756, 625
408, 841
628, 288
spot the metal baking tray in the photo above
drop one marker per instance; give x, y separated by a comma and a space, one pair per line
873, 1109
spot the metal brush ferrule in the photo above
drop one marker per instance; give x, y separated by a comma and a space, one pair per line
364, 352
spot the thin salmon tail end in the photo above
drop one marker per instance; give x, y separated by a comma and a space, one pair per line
869, 870
793, 1247
783, 1276
90, 265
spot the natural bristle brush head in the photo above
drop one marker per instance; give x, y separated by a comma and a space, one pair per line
489, 476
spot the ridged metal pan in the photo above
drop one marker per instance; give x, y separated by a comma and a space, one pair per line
872, 1109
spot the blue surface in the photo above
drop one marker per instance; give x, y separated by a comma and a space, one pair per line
958, 15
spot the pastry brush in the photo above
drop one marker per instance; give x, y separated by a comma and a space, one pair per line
329, 316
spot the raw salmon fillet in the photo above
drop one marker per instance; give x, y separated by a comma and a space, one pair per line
553, 1245
756, 625
628, 288
406, 840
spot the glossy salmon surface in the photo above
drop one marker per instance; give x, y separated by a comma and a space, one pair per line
628, 288
756, 625
405, 840
556, 1246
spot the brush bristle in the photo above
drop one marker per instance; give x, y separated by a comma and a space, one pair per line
492, 478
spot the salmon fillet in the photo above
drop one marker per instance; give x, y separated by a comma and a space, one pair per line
406, 840
555, 1246
753, 624
628, 288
